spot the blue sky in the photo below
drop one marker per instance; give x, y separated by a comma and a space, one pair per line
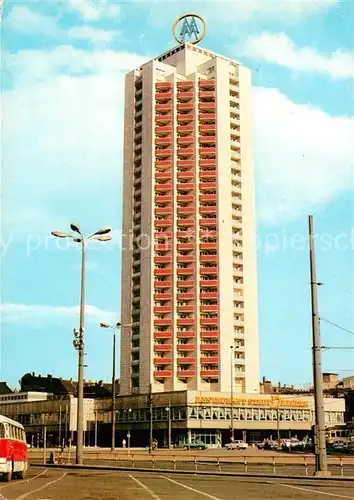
62, 108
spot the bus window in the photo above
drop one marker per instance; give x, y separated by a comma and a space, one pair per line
2, 431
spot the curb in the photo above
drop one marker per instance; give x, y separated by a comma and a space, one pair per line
190, 472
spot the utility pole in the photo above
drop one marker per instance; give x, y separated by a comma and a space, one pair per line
232, 392
113, 445
150, 417
320, 429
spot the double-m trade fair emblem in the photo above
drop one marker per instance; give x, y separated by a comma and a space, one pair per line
189, 28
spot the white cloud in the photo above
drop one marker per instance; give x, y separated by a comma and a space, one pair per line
28, 22
94, 10
280, 49
93, 35
25, 313
304, 157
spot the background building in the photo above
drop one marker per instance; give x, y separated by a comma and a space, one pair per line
189, 285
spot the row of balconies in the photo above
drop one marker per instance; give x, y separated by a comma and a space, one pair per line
205, 117
163, 130
185, 198
183, 84
186, 271
186, 296
188, 309
185, 283
185, 139
188, 347
165, 247
187, 321
186, 334
186, 360
158, 374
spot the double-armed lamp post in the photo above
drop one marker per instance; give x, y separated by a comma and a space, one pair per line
100, 235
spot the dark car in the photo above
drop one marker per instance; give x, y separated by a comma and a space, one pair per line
196, 445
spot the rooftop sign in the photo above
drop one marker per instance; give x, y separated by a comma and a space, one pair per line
189, 28
273, 402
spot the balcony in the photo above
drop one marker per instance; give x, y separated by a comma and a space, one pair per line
185, 321
207, 222
163, 335
185, 271
163, 284
209, 373
187, 84
210, 360
163, 211
207, 234
187, 139
207, 139
186, 283
163, 247
208, 175
207, 128
185, 246
163, 348
185, 347
185, 222
207, 197
207, 186
210, 308
185, 186
203, 106
163, 107
163, 198
207, 270
185, 210
188, 334
185, 296
207, 151
186, 309
210, 334
160, 141
163, 223
211, 209
162, 309
209, 321
162, 361
162, 296
207, 117
185, 151
185, 258
163, 322
163, 96
164, 272
183, 118
185, 234
186, 174
185, 163
185, 129
162, 130
186, 361
207, 162
163, 85
207, 295
162, 373
166, 259
185, 197
163, 118
206, 84
163, 152
186, 373
208, 258
163, 164
166, 186
163, 234
184, 95
209, 347
185, 106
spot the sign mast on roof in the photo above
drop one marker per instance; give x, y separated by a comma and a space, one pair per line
189, 28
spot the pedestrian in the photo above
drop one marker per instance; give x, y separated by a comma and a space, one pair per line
124, 443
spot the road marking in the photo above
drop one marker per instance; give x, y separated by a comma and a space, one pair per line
191, 489
27, 480
25, 495
313, 491
145, 487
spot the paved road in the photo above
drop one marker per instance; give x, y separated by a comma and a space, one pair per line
59, 484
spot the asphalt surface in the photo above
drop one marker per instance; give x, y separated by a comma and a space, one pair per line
59, 484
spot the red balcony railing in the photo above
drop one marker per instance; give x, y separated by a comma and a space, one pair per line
207, 117
163, 164
163, 118
188, 334
206, 84
207, 106
162, 296
163, 272
210, 334
184, 95
185, 117
209, 321
163, 322
208, 283
207, 151
187, 84
207, 197
185, 321
181, 129
210, 360
162, 373
164, 247
208, 258
163, 96
206, 295
163, 152
186, 308
163, 348
211, 209
186, 139
165, 259
163, 223
160, 141
162, 309
167, 186
163, 210
210, 308
163, 234
209, 347
185, 271
185, 246
185, 175
207, 94
163, 284
185, 210
185, 163
209, 270
185, 347
208, 222
163, 130
185, 258
207, 186
207, 162
204, 139
185, 197
186, 283
185, 296
208, 246
163, 198
185, 106
185, 186
185, 151
163, 85
207, 128
186, 373
167, 334
163, 107
185, 222
209, 175
186, 361
209, 373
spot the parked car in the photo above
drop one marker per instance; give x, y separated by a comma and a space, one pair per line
339, 445
196, 445
292, 444
236, 445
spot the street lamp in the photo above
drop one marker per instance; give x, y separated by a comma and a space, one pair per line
232, 391
115, 327
101, 235
168, 409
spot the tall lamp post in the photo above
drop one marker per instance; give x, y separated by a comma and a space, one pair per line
232, 391
114, 328
101, 235
168, 409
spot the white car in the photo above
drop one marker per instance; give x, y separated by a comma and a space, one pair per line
236, 445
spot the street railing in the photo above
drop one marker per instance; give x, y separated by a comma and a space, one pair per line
280, 464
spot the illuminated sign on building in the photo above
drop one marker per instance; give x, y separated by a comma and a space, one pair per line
273, 402
189, 28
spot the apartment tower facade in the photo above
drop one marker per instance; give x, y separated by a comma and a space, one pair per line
189, 275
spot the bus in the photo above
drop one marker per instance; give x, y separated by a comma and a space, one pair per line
13, 449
